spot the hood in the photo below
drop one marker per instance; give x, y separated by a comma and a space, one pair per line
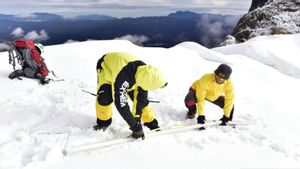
149, 77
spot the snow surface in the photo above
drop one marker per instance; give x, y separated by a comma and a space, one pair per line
37, 122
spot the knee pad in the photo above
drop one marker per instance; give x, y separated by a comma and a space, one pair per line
105, 95
190, 99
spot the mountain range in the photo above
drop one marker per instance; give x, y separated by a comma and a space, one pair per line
160, 31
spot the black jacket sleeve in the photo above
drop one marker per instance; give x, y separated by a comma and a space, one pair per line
124, 81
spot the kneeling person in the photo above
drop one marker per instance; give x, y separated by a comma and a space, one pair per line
216, 88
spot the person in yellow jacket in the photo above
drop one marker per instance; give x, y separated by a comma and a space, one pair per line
121, 75
216, 88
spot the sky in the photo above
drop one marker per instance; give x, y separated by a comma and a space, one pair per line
123, 8
38, 122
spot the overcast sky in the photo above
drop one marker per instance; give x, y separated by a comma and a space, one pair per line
123, 8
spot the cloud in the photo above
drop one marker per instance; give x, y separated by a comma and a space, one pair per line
123, 8
213, 29
71, 41
136, 39
38, 37
33, 35
18, 32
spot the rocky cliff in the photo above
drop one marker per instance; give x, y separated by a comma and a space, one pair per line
267, 18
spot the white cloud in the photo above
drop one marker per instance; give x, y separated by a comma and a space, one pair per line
33, 35
124, 8
18, 32
38, 37
71, 41
136, 39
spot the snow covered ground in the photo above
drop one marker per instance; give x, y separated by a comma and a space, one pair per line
37, 122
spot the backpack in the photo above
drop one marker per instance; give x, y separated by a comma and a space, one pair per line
28, 56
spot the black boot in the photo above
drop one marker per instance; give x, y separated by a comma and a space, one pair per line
190, 114
153, 125
102, 124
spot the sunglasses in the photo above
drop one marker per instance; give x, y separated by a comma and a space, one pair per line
220, 77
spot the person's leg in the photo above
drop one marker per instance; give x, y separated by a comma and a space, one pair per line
221, 102
141, 106
104, 107
148, 118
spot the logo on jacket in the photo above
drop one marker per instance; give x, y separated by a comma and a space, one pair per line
123, 94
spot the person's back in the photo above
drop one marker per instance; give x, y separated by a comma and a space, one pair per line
114, 62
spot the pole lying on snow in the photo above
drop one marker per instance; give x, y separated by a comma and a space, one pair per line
93, 94
167, 130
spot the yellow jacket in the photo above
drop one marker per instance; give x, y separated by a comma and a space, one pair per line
207, 88
113, 63
146, 76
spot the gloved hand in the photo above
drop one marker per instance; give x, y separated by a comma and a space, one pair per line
224, 120
201, 119
137, 131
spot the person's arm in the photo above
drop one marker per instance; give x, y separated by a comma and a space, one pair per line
121, 99
229, 98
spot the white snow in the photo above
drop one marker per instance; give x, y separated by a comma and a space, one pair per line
37, 122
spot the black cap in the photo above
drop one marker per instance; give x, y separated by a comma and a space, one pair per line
224, 70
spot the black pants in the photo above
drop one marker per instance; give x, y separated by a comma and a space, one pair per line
191, 100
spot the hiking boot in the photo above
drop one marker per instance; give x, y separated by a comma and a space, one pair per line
153, 125
102, 124
190, 114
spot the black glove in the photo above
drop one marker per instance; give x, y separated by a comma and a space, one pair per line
224, 120
137, 131
201, 119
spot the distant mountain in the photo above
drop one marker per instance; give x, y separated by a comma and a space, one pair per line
184, 15
34, 17
6, 17
44, 17
267, 18
164, 31
93, 17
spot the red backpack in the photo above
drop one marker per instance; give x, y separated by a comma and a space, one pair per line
28, 55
